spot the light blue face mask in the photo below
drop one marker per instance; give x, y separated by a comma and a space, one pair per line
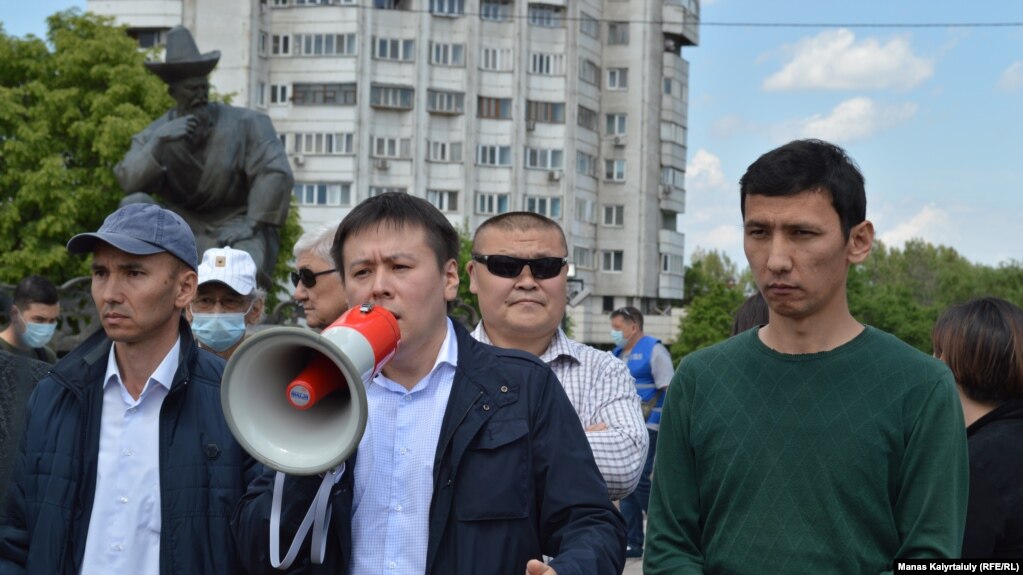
38, 334
218, 331
618, 337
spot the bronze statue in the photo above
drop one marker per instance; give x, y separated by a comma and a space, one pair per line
222, 168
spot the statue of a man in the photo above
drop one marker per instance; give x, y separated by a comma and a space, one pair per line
222, 168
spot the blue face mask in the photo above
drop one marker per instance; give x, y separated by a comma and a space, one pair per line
38, 334
218, 331
618, 337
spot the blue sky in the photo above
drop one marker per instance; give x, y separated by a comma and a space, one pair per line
933, 115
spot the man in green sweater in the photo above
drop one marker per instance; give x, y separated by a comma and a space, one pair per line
813, 444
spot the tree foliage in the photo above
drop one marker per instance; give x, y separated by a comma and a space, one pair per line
68, 110
714, 289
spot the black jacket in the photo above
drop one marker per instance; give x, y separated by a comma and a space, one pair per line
994, 517
203, 470
18, 377
513, 476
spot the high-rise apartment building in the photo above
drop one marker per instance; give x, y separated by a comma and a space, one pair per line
576, 109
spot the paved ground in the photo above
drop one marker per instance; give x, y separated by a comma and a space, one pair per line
633, 567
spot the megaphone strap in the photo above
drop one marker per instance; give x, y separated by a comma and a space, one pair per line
317, 517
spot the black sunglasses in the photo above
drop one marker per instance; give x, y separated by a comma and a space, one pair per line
308, 277
511, 267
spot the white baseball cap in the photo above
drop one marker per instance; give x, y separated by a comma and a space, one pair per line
229, 266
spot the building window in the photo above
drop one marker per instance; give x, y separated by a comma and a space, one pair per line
447, 7
447, 54
617, 33
588, 25
672, 264
587, 118
589, 72
388, 4
493, 155
324, 44
148, 37
394, 49
545, 112
441, 102
546, 15
614, 215
611, 260
582, 257
674, 133
674, 177
394, 97
323, 94
615, 124
491, 203
264, 39
585, 211
495, 108
544, 159
585, 164
617, 78
496, 59
550, 207
614, 170
547, 64
443, 200
280, 45
392, 147
321, 2
379, 190
323, 194
444, 151
327, 143
279, 94
496, 10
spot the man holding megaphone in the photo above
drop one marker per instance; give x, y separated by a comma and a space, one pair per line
473, 460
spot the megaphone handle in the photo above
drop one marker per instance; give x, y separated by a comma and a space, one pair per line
317, 517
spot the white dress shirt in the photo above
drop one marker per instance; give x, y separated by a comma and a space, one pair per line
601, 390
124, 530
394, 469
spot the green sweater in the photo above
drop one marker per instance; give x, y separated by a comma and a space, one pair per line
833, 462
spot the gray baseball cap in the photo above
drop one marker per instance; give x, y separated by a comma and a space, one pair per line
142, 229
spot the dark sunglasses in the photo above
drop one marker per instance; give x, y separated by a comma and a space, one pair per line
308, 277
511, 267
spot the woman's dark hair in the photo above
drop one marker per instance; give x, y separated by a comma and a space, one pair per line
752, 313
982, 342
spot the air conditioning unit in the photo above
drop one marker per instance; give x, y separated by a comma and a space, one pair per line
530, 126
299, 160
619, 141
554, 176
382, 164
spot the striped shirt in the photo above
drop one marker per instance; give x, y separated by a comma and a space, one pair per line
601, 390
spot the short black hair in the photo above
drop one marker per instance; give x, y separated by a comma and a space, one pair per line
400, 210
35, 289
520, 221
809, 166
629, 313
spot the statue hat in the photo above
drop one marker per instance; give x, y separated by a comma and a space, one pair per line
183, 59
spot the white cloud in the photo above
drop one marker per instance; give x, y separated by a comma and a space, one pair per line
1012, 78
834, 60
855, 119
930, 224
704, 173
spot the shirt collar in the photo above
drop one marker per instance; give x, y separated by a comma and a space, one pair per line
163, 375
448, 355
560, 346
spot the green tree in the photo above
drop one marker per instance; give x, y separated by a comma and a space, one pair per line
67, 114
714, 289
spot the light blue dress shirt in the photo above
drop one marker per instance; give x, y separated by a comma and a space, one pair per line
394, 469
124, 531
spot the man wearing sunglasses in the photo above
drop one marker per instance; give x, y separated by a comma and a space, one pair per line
317, 284
519, 272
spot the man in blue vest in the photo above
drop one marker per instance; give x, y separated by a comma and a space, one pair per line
650, 364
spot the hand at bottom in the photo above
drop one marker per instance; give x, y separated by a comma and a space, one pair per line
535, 567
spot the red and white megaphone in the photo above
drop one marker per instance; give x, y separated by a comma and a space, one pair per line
296, 400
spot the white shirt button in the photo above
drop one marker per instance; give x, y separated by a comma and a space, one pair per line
132, 410
123, 499
119, 547
403, 451
397, 507
392, 565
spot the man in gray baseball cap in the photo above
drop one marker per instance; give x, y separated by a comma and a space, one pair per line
127, 464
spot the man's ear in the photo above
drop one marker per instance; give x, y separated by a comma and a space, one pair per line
470, 269
188, 284
861, 241
252, 318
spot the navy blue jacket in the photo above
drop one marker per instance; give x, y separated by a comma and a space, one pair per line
513, 476
203, 470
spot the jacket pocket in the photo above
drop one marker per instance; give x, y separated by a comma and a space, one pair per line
493, 479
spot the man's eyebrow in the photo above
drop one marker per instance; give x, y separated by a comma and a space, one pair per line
386, 258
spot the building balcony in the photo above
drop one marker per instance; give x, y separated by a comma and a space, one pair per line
681, 23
